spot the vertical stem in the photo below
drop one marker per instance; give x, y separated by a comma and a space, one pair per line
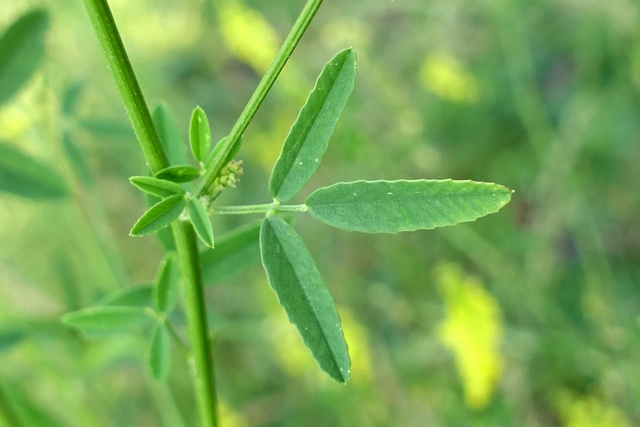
184, 235
125, 79
195, 307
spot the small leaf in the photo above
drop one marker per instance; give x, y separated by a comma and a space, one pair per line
159, 216
217, 151
166, 294
164, 236
200, 220
234, 252
27, 176
169, 132
156, 187
134, 296
160, 354
179, 173
21, 49
294, 277
309, 136
393, 206
107, 318
200, 135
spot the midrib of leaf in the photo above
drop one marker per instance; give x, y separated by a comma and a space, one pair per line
315, 121
385, 202
313, 309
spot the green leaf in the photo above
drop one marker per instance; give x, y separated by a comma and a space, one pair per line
217, 151
181, 173
159, 216
26, 176
166, 287
106, 319
309, 137
156, 187
200, 135
21, 49
235, 251
10, 337
78, 160
169, 132
71, 97
294, 277
164, 236
134, 296
393, 206
159, 357
201, 221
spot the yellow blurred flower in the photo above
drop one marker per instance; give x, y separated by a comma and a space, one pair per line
230, 418
472, 330
248, 35
590, 412
444, 75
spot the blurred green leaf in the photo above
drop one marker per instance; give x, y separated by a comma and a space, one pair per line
22, 409
10, 337
166, 286
200, 135
159, 357
393, 206
157, 187
294, 277
27, 176
201, 221
111, 318
134, 296
78, 160
71, 96
21, 50
168, 130
159, 216
309, 136
234, 251
181, 173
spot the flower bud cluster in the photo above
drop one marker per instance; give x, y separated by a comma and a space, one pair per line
228, 177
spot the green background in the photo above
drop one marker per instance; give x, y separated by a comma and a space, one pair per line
529, 317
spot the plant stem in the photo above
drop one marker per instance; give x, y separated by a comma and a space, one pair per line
184, 235
257, 209
196, 310
287, 48
125, 79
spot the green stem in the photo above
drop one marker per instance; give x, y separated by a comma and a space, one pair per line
287, 48
195, 307
125, 79
184, 235
257, 209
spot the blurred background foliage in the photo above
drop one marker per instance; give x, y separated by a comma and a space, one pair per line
529, 317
